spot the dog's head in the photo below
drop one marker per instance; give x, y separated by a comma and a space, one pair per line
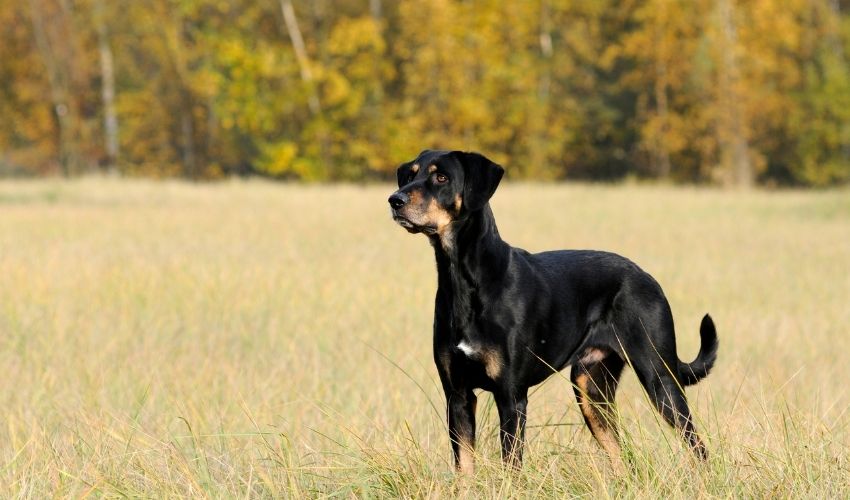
440, 187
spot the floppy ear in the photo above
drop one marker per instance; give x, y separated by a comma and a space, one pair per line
481, 178
403, 173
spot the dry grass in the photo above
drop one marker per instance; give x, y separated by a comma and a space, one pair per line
259, 340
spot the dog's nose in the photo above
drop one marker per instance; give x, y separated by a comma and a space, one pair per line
398, 200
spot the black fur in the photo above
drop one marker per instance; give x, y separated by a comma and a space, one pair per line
518, 317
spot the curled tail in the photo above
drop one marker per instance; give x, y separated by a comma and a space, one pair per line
696, 370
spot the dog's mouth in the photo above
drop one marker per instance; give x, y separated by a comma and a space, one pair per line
406, 223
403, 221
411, 226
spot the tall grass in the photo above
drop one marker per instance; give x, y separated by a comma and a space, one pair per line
256, 340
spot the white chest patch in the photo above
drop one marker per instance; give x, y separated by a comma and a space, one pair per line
487, 356
466, 348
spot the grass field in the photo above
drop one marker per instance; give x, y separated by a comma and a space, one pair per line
249, 339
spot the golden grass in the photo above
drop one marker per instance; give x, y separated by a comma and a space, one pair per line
249, 339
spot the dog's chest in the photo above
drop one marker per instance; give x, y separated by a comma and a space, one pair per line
489, 358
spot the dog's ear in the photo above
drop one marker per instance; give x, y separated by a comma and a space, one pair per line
403, 173
481, 178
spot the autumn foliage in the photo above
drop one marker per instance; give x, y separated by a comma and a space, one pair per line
730, 92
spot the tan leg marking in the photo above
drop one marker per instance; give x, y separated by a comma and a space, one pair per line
466, 455
601, 429
466, 460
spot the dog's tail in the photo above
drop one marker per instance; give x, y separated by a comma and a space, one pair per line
696, 370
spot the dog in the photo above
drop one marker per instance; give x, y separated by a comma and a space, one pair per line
506, 319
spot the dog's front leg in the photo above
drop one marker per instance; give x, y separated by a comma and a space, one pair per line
511, 405
461, 415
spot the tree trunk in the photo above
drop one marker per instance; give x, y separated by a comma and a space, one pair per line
537, 151
838, 52
107, 72
58, 80
173, 33
545, 81
187, 131
375, 8
734, 150
662, 151
300, 53
375, 106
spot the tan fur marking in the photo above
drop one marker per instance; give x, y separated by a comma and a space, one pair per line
437, 215
415, 168
432, 169
592, 355
432, 214
601, 430
445, 361
466, 459
492, 363
415, 198
458, 203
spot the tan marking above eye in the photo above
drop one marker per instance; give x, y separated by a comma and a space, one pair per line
415, 168
432, 169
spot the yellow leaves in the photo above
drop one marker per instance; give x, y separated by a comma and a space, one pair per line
472, 111
336, 88
350, 36
279, 158
779, 18
207, 82
553, 88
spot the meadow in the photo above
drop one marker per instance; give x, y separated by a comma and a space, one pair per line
249, 339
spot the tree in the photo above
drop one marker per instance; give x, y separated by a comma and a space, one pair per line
720, 91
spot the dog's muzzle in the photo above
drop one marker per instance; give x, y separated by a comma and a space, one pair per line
398, 200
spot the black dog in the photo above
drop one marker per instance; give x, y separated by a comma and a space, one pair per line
506, 319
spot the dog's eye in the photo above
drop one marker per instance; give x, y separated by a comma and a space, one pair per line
441, 179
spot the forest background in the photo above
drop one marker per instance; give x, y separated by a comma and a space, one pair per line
726, 92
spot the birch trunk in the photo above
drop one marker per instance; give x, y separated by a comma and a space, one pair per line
300, 53
59, 94
107, 72
735, 159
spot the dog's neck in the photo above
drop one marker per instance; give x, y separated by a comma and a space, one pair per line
468, 250
471, 241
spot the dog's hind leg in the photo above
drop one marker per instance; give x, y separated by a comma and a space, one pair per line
652, 354
595, 381
667, 395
